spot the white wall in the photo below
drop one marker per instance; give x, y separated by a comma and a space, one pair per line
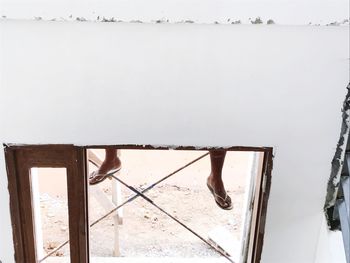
330, 247
179, 84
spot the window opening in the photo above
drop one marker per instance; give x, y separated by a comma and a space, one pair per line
156, 195
183, 194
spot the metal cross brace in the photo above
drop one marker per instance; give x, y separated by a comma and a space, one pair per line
172, 217
131, 198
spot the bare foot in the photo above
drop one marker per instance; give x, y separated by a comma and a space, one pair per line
109, 165
106, 167
216, 186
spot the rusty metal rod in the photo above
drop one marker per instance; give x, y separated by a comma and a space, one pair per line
172, 217
131, 198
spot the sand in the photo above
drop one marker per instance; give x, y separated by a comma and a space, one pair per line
146, 232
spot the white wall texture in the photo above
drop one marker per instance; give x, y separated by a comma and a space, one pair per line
330, 247
185, 84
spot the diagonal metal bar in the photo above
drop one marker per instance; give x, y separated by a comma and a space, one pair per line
172, 217
131, 198
148, 188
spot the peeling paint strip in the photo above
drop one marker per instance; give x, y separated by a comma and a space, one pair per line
338, 159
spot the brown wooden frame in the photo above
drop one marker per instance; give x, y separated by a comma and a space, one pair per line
20, 158
264, 193
19, 161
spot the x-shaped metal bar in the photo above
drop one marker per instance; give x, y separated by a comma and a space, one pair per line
169, 215
141, 194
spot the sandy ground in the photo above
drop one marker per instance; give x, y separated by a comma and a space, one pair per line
145, 230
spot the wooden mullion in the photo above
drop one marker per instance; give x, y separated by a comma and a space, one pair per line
15, 205
24, 198
78, 207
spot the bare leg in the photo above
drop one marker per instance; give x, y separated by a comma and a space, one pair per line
217, 158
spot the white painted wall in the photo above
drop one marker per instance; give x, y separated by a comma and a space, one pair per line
185, 84
330, 247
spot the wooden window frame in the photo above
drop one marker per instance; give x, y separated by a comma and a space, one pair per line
21, 158
19, 161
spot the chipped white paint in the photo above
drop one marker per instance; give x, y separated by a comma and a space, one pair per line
287, 12
185, 84
337, 165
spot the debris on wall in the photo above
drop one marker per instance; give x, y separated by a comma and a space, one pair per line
337, 162
256, 21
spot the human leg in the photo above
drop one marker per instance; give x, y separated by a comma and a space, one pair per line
214, 181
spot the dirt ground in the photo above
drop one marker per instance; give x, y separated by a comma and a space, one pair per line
145, 230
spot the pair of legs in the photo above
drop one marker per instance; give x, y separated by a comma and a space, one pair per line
214, 181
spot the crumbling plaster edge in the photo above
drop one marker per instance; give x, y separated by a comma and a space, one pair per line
228, 21
338, 159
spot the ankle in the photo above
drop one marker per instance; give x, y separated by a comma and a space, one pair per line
212, 179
